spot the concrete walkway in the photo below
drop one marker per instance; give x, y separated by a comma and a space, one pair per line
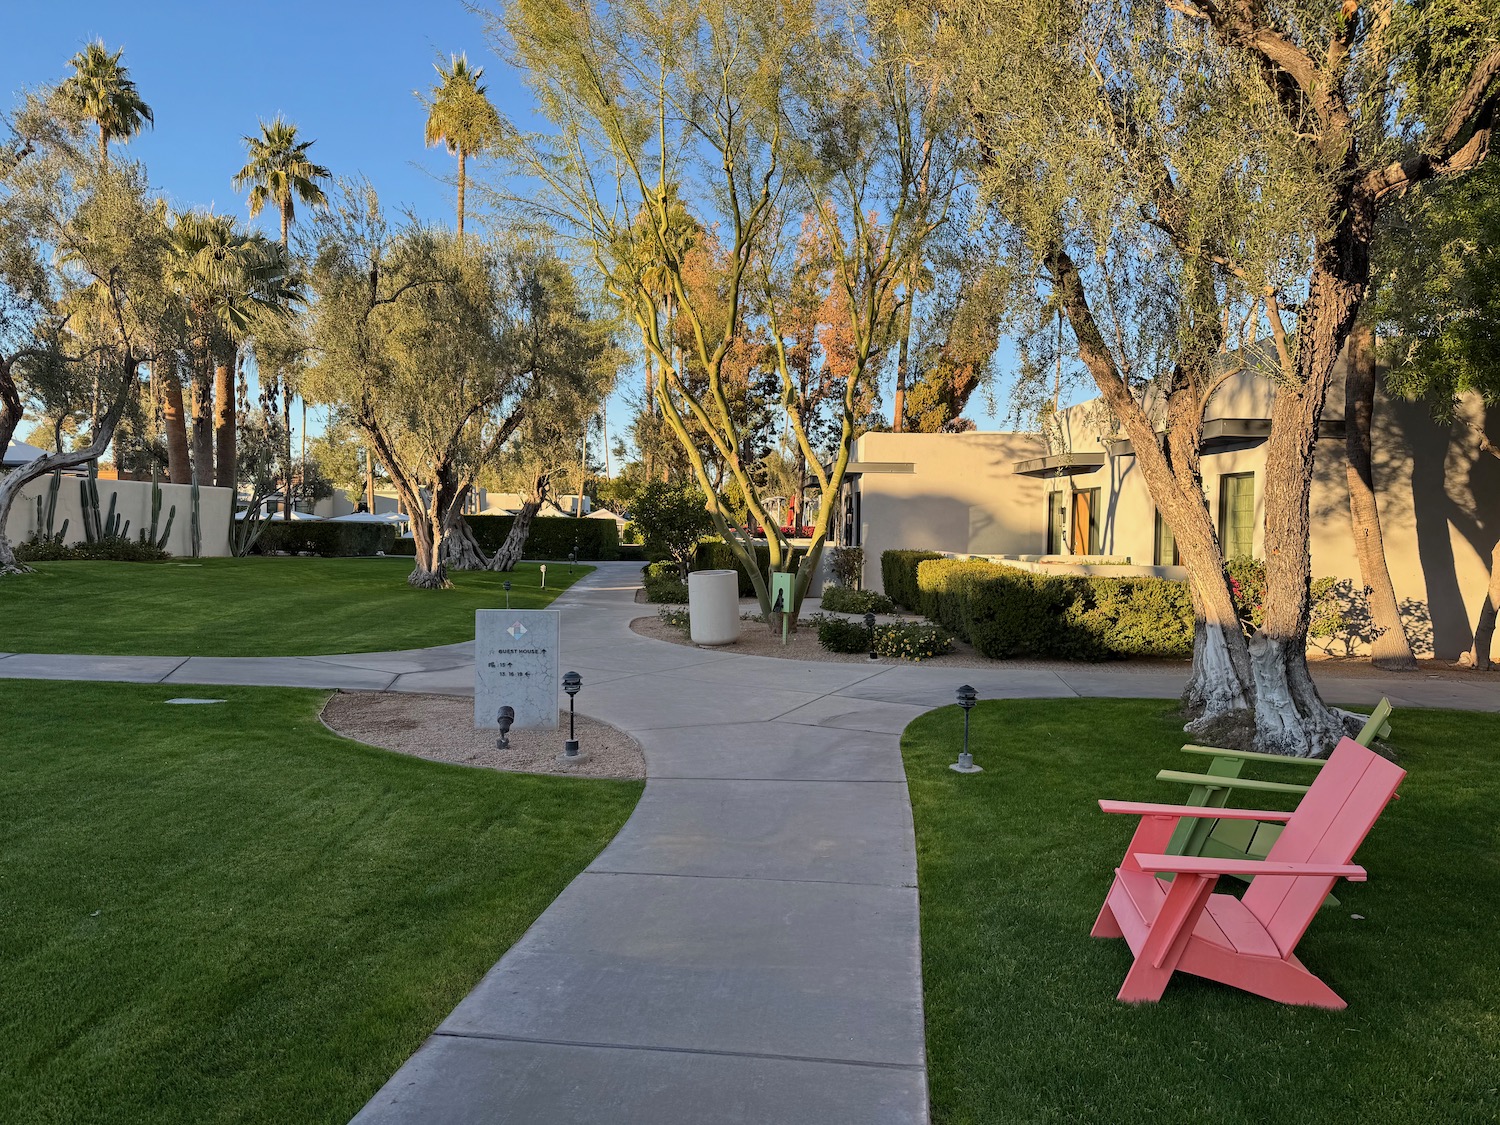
746, 949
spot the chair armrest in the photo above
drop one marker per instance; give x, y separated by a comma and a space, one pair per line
1208, 865
1143, 808
1216, 781
1251, 756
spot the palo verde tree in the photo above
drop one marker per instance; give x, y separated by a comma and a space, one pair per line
81, 244
744, 119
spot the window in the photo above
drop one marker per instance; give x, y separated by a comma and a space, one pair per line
1237, 514
1057, 523
1166, 545
1086, 521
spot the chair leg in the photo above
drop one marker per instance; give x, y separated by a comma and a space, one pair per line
1105, 925
1145, 983
1171, 930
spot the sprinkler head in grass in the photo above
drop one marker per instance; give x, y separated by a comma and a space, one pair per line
967, 697
506, 717
870, 628
571, 683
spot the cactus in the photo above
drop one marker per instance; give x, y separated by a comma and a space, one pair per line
196, 532
51, 513
159, 540
111, 526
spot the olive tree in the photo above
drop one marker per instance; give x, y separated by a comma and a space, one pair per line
81, 246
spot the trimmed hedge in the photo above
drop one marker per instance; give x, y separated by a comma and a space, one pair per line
552, 537
112, 548
329, 539
407, 547
715, 554
1005, 612
898, 575
632, 552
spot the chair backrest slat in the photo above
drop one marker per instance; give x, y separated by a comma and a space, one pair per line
1376, 725
1330, 823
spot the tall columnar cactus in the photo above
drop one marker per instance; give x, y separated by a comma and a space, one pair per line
46, 513
159, 540
197, 524
88, 492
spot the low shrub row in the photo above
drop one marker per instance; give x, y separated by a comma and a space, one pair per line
330, 539
1007, 612
111, 548
841, 599
715, 554
898, 576
898, 641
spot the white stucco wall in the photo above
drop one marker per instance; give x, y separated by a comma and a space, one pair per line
133, 503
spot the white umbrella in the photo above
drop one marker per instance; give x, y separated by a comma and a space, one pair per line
363, 517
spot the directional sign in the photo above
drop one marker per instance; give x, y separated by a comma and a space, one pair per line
515, 665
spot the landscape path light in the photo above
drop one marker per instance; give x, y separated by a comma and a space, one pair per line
506, 587
506, 717
544, 576
870, 628
965, 764
571, 683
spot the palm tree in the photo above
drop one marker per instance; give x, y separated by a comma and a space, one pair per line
461, 117
227, 280
279, 170
105, 93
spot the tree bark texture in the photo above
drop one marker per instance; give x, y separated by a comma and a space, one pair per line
225, 448
511, 550
179, 464
462, 184
1389, 648
203, 422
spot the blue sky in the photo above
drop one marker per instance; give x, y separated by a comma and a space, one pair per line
344, 71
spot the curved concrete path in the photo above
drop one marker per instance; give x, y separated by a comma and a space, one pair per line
746, 949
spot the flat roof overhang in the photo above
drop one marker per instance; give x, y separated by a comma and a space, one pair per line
858, 468
1061, 464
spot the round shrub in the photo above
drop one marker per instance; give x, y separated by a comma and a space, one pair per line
841, 599
912, 642
839, 634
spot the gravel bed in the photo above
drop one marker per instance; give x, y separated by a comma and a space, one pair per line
440, 728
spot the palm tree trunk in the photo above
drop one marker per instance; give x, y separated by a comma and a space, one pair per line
179, 470
1389, 647
224, 425
103, 147
286, 390
461, 184
203, 420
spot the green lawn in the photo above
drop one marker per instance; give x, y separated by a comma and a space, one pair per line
253, 606
1022, 1024
229, 914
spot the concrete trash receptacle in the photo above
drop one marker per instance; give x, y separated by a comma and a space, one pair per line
714, 607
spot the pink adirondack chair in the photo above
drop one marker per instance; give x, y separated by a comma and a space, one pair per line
1244, 942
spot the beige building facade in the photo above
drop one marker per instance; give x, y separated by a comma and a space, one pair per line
1074, 500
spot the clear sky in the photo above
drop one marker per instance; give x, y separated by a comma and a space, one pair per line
345, 71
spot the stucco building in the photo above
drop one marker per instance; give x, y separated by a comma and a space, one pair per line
1055, 501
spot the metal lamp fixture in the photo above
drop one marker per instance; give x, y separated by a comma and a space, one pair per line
967, 697
870, 628
570, 684
506, 717
506, 587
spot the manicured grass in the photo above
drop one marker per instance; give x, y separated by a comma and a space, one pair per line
1022, 1024
228, 914
253, 606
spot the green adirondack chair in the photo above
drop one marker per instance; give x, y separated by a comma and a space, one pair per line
1246, 839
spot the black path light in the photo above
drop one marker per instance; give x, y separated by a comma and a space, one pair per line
571, 683
506, 587
506, 717
965, 764
870, 628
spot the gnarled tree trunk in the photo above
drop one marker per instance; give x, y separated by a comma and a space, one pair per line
1389, 648
1484, 627
515, 543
